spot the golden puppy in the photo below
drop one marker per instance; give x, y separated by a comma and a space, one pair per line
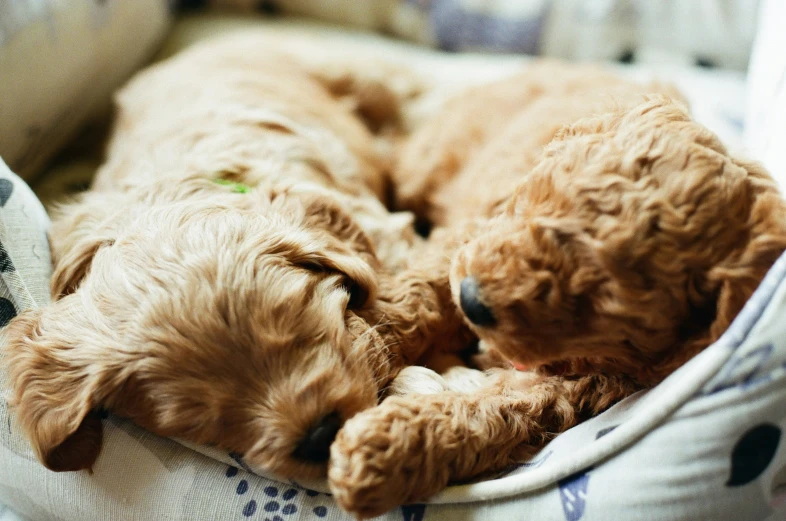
229, 278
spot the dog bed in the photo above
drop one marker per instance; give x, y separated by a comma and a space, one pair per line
705, 444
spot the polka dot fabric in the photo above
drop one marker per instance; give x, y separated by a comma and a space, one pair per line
277, 502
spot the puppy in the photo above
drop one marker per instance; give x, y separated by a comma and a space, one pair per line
229, 278
625, 249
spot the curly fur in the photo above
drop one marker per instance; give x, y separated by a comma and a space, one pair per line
611, 257
232, 319
497, 132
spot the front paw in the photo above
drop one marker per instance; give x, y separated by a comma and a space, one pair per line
415, 379
390, 455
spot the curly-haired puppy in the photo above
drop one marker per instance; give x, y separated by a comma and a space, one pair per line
229, 278
627, 248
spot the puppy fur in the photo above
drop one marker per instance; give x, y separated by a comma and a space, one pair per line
629, 243
239, 320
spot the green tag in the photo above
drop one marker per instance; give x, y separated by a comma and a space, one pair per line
239, 188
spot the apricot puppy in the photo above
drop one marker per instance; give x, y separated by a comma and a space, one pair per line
627, 248
229, 278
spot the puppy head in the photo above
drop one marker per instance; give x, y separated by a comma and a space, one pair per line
635, 240
215, 324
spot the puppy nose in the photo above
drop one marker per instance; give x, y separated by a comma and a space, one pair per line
476, 311
315, 446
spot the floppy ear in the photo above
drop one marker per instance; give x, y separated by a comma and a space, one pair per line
79, 230
349, 250
72, 264
53, 391
360, 278
756, 250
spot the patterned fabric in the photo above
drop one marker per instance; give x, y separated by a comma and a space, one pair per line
24, 249
24, 272
60, 62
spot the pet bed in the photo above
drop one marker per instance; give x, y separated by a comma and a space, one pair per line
705, 444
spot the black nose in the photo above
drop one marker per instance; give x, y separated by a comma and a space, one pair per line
476, 311
315, 447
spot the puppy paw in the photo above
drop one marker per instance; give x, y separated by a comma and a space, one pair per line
465, 380
390, 455
415, 379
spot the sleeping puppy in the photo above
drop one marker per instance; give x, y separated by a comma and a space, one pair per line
628, 247
228, 280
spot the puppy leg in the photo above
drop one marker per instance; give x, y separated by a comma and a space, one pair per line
466, 380
455, 374
409, 448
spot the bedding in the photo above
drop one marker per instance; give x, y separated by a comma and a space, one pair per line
705, 444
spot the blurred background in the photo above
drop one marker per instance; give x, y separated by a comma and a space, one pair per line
702, 32
60, 60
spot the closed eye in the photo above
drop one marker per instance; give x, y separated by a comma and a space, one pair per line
358, 296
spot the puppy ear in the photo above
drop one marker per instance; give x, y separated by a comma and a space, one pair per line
359, 277
52, 394
349, 250
79, 230
761, 241
72, 265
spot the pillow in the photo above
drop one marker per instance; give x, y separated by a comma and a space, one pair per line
60, 61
